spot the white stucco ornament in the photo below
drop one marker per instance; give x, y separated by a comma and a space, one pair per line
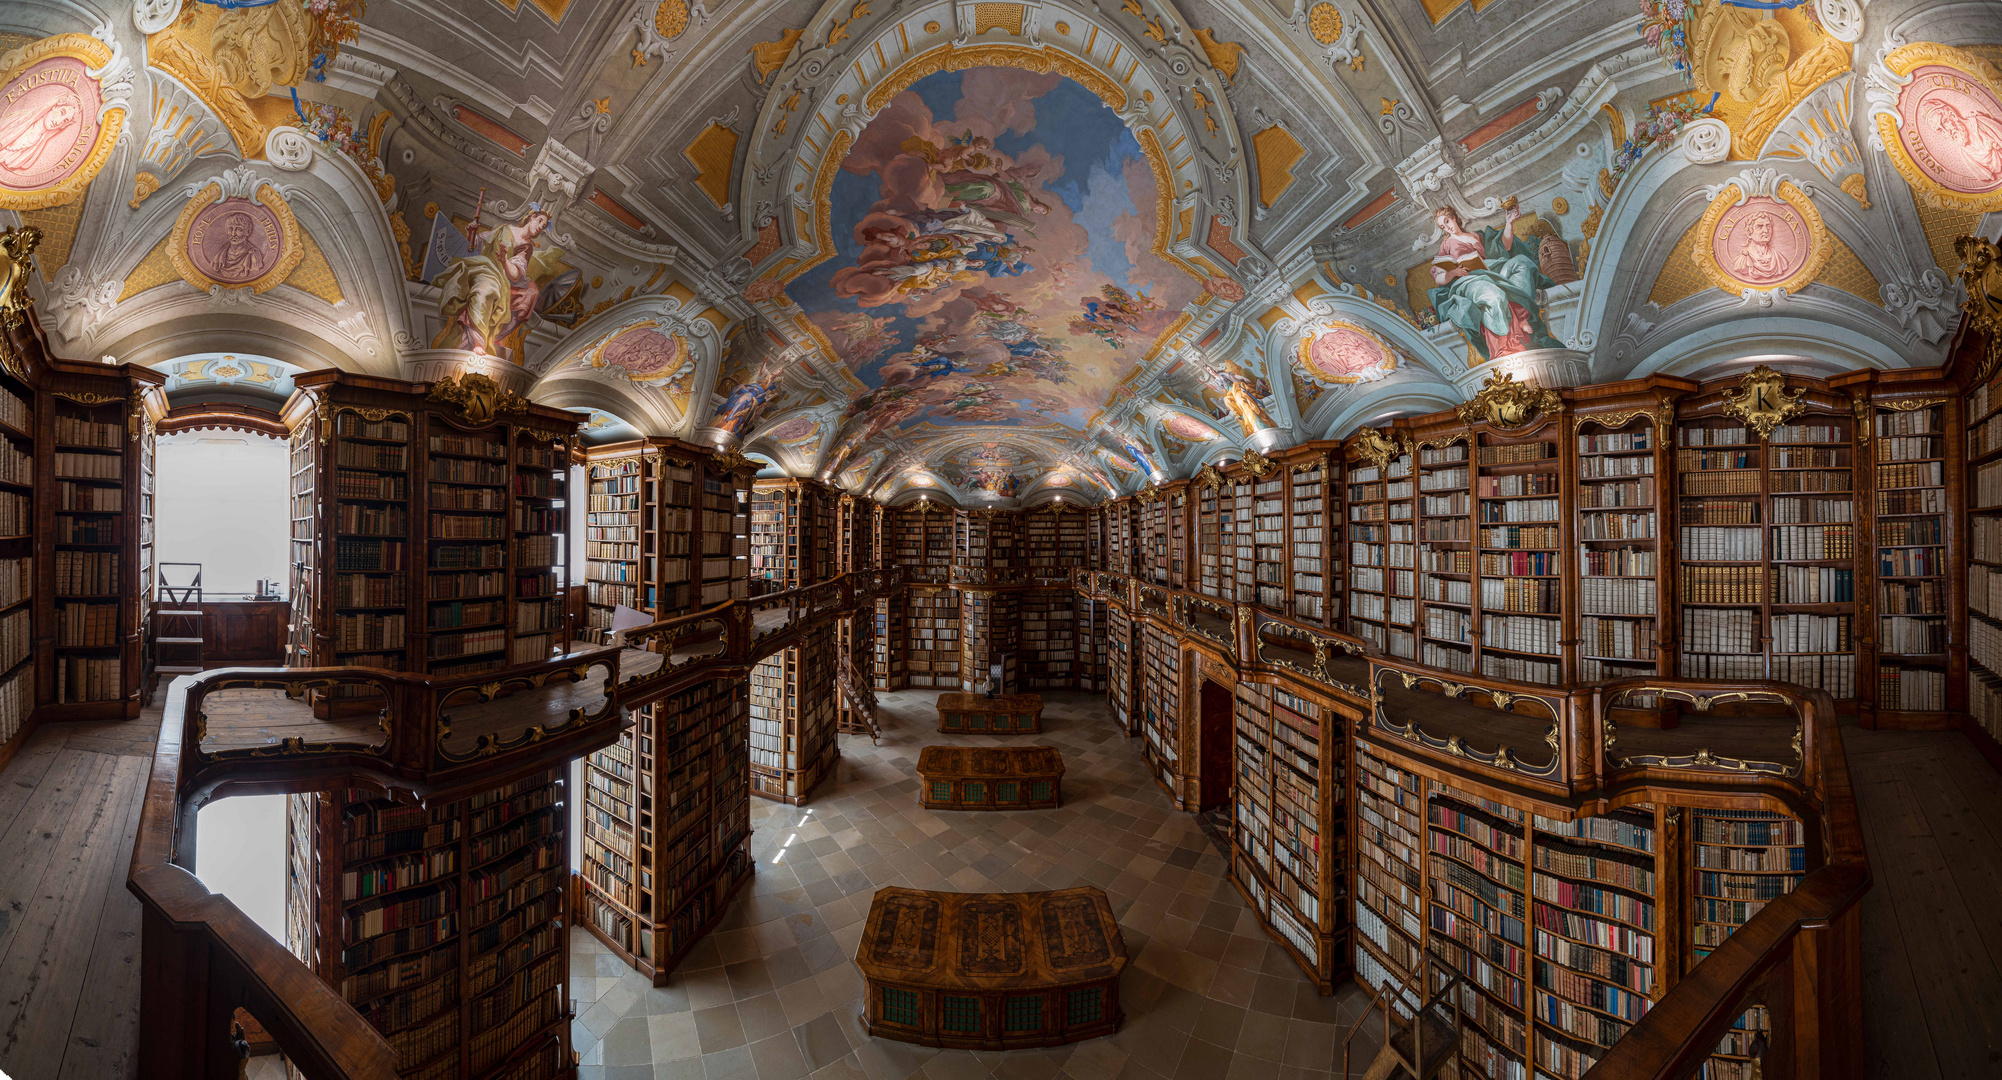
1842, 19
153, 16
289, 149
1706, 140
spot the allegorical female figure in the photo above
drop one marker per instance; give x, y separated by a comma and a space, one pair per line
1979, 137
485, 295
28, 140
1485, 284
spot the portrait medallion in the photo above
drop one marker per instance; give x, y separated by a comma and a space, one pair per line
1944, 130
1764, 241
644, 354
238, 242
1344, 354
1188, 427
52, 138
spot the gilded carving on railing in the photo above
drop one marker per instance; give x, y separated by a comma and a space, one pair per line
1190, 605
1763, 401
1505, 757
491, 743
1503, 402
1701, 757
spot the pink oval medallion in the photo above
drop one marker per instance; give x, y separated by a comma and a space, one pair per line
796, 429
235, 241
1344, 353
48, 123
1761, 242
1188, 427
644, 353
1951, 126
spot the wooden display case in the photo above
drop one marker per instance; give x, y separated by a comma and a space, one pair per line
990, 777
978, 714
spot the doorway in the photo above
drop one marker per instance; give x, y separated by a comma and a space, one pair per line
1215, 723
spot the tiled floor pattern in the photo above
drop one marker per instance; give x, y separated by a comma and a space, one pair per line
773, 994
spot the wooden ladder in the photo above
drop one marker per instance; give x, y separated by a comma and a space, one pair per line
859, 702
1417, 1049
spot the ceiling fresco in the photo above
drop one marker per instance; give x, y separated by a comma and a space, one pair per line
997, 252
992, 260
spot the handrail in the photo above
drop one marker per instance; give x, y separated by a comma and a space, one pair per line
201, 957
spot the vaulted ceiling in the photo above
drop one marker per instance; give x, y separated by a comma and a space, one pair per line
999, 251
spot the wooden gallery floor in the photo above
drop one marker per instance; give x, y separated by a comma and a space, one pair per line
69, 802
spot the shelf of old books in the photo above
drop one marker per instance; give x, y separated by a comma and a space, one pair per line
1092, 620
1478, 914
1446, 556
1154, 537
819, 508
1120, 667
1212, 575
1811, 486
890, 642
1618, 532
1315, 583
938, 528
1401, 553
1369, 554
1909, 446
1390, 849
95, 583
990, 625
776, 534
1177, 501
1740, 861
372, 553
931, 629
611, 540
1240, 559
674, 791
1720, 541
792, 720
541, 471
725, 535
907, 537
1049, 639
1521, 535
1289, 823
1160, 697
17, 559
1269, 539
1121, 538
469, 481
1983, 508
1594, 884
302, 469
447, 935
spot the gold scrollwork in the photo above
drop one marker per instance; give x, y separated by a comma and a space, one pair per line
1209, 477
17, 264
87, 398
1503, 402
1370, 445
1859, 406
1911, 404
1442, 442
373, 416
1148, 495
480, 399
1981, 272
1257, 464
1763, 400
1614, 421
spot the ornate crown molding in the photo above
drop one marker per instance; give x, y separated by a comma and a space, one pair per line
1258, 464
1370, 445
480, 399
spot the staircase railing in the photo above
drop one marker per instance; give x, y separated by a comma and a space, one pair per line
861, 697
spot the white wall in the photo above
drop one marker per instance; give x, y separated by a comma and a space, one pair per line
241, 854
222, 500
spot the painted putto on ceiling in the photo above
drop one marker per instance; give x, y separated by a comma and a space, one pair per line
998, 251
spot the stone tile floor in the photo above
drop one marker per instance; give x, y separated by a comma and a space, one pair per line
773, 993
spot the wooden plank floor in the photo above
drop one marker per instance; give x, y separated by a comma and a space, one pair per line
69, 932
1932, 921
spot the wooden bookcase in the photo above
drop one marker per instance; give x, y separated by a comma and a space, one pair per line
1621, 568
1122, 668
442, 925
1049, 640
1289, 849
1521, 534
990, 630
1383, 551
1390, 846
438, 525
1594, 885
1159, 685
792, 720
675, 787
1982, 506
1910, 528
17, 557
777, 534
612, 527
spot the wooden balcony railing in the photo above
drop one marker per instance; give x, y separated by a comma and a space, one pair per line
201, 957
1603, 745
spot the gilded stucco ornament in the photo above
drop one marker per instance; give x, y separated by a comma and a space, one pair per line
1981, 272
1257, 464
1209, 477
480, 399
1503, 402
17, 262
1763, 401
1370, 445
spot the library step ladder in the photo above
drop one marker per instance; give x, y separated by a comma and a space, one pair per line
858, 708
1417, 1049
181, 625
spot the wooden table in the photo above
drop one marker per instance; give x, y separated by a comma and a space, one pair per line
990, 777
1002, 714
991, 971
